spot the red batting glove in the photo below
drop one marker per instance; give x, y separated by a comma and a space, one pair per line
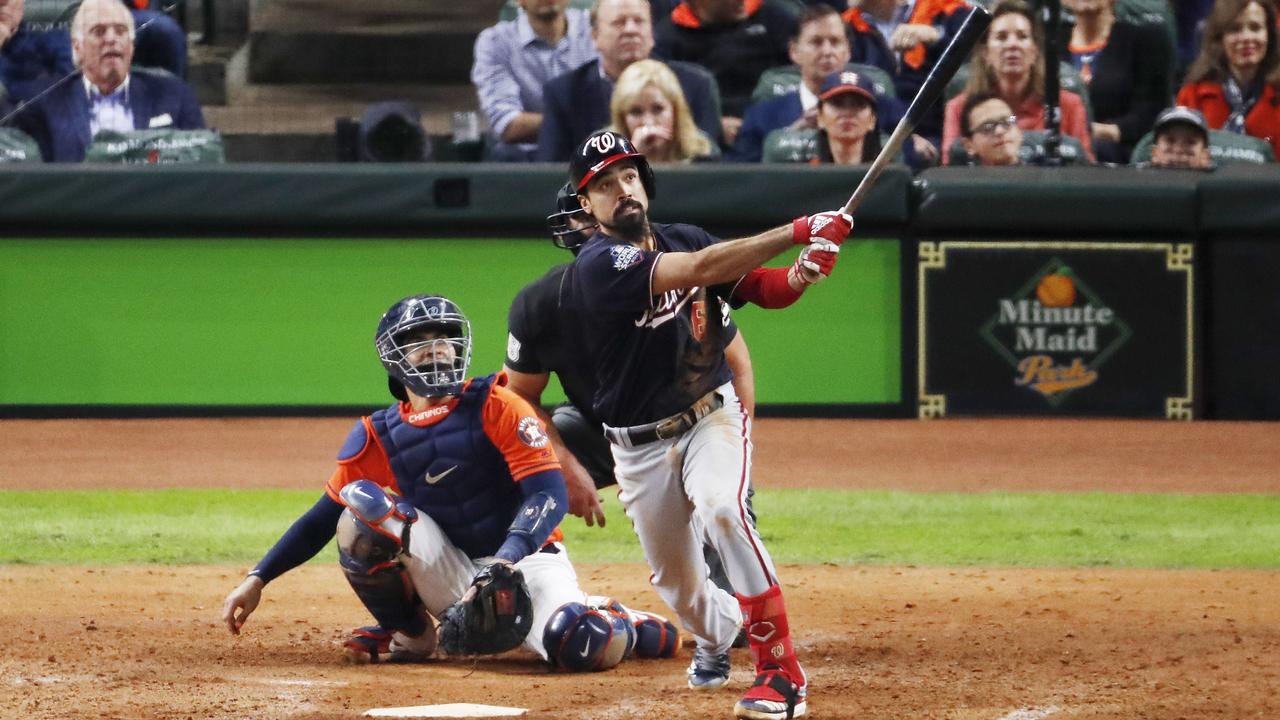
832, 226
815, 262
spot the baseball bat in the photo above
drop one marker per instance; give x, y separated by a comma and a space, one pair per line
956, 53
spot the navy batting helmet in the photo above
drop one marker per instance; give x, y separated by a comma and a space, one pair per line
424, 342
570, 226
602, 149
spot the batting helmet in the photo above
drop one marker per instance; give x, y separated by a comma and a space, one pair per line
602, 149
561, 222
430, 365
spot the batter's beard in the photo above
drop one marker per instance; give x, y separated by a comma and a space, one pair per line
631, 226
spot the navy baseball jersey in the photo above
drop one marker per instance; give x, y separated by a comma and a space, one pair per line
545, 335
653, 355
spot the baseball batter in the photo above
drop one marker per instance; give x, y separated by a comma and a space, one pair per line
454, 485
650, 296
544, 337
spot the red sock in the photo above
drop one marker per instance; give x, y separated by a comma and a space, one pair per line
769, 634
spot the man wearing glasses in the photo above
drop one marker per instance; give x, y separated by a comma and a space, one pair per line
989, 131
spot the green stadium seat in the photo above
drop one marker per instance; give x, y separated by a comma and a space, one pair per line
1226, 148
45, 12
792, 145
510, 8
156, 147
779, 81
1068, 78
18, 147
1032, 147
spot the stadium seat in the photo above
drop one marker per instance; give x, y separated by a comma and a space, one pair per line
1032, 149
779, 81
792, 145
18, 147
156, 147
1225, 148
1068, 79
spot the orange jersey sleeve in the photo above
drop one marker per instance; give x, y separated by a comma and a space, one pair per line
370, 463
512, 426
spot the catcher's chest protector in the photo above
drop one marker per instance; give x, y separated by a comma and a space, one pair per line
452, 472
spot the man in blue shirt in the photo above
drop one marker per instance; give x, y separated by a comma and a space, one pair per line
514, 59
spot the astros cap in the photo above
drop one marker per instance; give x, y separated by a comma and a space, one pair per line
847, 81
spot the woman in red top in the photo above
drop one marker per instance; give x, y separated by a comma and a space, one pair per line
1010, 64
1235, 81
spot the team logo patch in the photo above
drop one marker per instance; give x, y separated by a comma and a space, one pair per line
532, 433
513, 348
625, 256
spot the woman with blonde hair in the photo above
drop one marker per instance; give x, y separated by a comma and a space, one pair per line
1009, 63
648, 106
1235, 81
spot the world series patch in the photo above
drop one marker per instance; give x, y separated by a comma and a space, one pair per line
625, 256
531, 432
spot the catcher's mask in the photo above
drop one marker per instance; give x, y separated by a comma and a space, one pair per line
602, 149
570, 226
424, 342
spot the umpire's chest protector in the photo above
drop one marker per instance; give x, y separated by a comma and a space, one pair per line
452, 471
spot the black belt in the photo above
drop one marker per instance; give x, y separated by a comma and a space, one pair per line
666, 428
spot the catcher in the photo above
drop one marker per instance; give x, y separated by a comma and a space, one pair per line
446, 507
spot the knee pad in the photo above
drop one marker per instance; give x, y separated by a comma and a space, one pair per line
580, 639
656, 636
373, 529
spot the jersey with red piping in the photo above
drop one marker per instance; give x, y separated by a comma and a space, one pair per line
459, 463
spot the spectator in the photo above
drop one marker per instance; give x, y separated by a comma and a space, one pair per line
1182, 140
1128, 70
1235, 80
819, 48
867, 44
514, 59
649, 108
105, 95
990, 131
915, 32
1010, 63
847, 111
161, 42
736, 40
576, 103
30, 60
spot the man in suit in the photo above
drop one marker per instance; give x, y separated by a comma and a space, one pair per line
105, 94
576, 103
820, 48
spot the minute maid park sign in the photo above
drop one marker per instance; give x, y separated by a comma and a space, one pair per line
1055, 332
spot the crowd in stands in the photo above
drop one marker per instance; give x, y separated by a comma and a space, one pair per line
749, 80
799, 80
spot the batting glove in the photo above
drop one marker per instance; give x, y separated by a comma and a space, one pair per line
815, 262
832, 226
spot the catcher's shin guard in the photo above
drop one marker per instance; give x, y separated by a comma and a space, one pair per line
371, 533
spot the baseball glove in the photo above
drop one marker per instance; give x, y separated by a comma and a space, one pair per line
493, 616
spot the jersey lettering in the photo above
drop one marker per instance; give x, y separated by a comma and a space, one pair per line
668, 306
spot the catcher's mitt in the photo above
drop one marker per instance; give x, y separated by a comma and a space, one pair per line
494, 616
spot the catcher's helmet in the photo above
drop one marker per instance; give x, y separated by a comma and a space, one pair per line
560, 222
430, 367
602, 149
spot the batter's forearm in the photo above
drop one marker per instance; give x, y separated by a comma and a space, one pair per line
722, 262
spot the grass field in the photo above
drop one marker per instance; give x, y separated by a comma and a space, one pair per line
799, 526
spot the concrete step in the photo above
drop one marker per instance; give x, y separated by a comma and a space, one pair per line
380, 41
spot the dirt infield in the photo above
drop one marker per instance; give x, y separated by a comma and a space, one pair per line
907, 642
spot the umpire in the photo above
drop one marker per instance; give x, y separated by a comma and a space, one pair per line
544, 337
